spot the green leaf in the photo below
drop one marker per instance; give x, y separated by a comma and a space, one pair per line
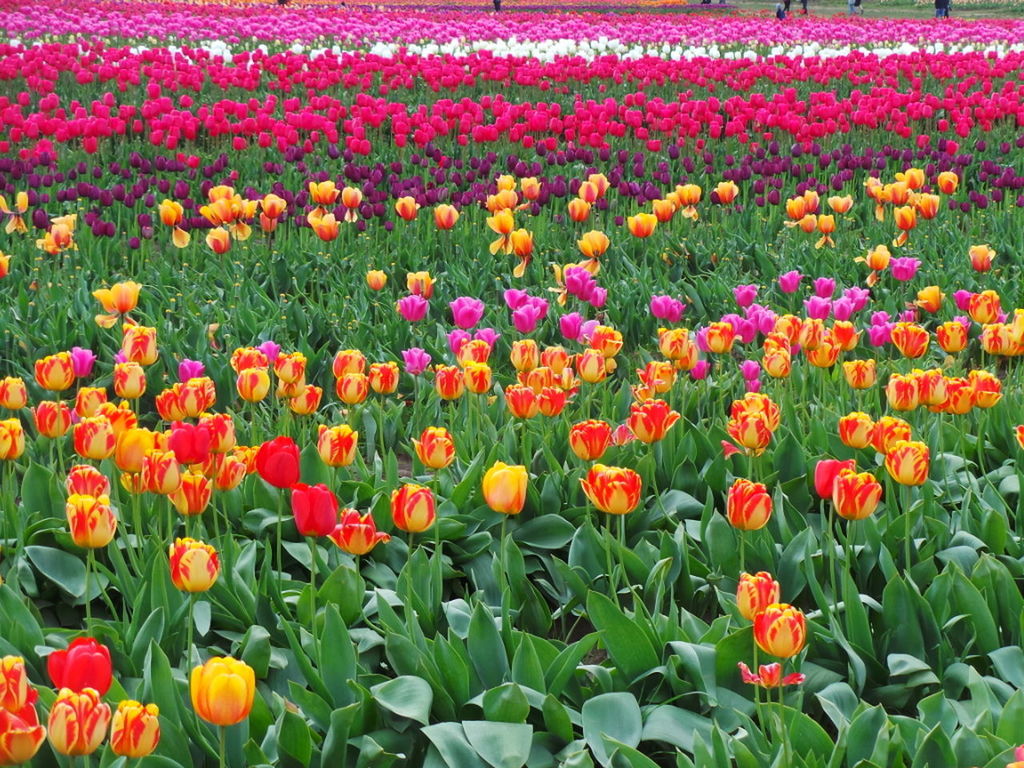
675, 726
616, 715
342, 666
506, 704
62, 568
486, 650
451, 743
406, 696
934, 750
502, 745
626, 642
294, 737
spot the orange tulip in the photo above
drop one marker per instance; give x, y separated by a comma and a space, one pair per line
855, 495
579, 209
253, 384
906, 219
55, 372
138, 344
91, 520
651, 420
94, 438
592, 366
420, 283
755, 593
376, 279
504, 488
984, 307
13, 393
52, 419
503, 223
435, 448
78, 722
981, 257
194, 565
910, 339
193, 496
412, 508
952, 336
135, 729
222, 690
449, 382
445, 216
218, 240
642, 225
988, 390
522, 402
902, 392
357, 534
326, 227
593, 244
337, 445
131, 447
887, 432
613, 490
590, 439
726, 191
748, 506
720, 337
907, 462
781, 630
407, 207
930, 299
551, 401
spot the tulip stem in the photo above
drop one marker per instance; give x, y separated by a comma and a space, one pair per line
905, 493
133, 553
89, 559
312, 584
280, 515
613, 585
743, 552
223, 747
829, 540
190, 629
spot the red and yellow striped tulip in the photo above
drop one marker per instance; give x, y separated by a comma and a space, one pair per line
435, 448
195, 565
855, 494
135, 729
781, 630
756, 592
748, 505
412, 508
907, 462
613, 490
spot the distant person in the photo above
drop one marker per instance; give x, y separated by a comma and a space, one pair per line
497, 5
855, 7
803, 7
780, 11
942, 9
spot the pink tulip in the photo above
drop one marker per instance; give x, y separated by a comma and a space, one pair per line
745, 295
824, 287
790, 281
466, 311
416, 360
413, 308
904, 268
457, 339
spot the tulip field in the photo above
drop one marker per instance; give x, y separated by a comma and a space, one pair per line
624, 386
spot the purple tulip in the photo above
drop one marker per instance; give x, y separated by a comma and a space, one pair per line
908, 316
842, 309
904, 268
190, 369
753, 385
570, 325
488, 335
416, 360
745, 295
879, 335
413, 308
598, 297
824, 287
514, 298
750, 369
271, 350
667, 308
456, 340
525, 318
82, 361
880, 318
817, 307
963, 300
466, 311
859, 296
701, 338
700, 370
790, 282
